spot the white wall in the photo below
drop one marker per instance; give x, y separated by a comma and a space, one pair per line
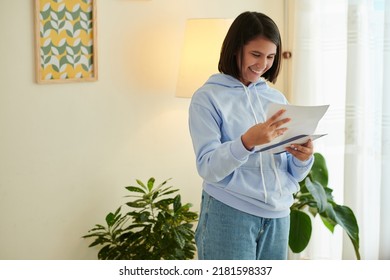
68, 150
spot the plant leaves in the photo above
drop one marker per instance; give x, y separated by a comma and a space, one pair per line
110, 219
346, 219
139, 203
168, 191
177, 203
315, 194
318, 194
151, 183
135, 189
300, 230
180, 240
150, 231
319, 171
164, 203
163, 183
141, 184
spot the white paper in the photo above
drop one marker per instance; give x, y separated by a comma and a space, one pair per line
301, 127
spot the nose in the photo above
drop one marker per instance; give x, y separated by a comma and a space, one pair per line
262, 63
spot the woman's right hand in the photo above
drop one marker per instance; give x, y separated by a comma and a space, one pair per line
264, 133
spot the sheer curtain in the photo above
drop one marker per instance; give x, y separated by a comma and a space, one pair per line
341, 57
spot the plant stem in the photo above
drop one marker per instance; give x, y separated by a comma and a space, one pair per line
152, 209
304, 194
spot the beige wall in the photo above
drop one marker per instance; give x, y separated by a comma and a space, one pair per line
67, 150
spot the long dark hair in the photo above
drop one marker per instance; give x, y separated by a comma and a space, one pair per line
246, 27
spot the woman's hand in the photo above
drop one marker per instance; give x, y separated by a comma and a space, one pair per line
302, 152
263, 133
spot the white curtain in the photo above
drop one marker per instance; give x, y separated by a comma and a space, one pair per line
341, 57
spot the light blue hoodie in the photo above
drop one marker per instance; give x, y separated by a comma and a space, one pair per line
221, 111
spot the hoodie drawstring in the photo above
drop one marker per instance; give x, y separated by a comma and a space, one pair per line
272, 156
260, 154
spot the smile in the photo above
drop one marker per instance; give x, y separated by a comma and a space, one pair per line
255, 71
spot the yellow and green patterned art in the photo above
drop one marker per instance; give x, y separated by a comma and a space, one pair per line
66, 39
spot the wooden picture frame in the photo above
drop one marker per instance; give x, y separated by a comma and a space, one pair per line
65, 41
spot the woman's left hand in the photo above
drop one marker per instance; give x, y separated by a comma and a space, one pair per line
302, 152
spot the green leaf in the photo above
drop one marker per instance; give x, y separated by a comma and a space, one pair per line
135, 189
151, 183
139, 182
110, 219
329, 223
167, 191
180, 240
318, 194
164, 203
319, 171
346, 219
176, 203
300, 231
315, 194
160, 188
137, 204
143, 217
155, 195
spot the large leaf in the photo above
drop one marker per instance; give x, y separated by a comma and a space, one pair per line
328, 222
318, 194
319, 171
346, 219
315, 194
300, 231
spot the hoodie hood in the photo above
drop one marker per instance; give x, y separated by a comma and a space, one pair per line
231, 82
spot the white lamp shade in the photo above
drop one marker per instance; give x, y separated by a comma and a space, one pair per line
203, 40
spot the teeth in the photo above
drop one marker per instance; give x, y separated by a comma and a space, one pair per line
257, 72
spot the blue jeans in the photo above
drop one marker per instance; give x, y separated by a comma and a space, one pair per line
225, 233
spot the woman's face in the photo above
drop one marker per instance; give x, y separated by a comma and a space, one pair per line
258, 57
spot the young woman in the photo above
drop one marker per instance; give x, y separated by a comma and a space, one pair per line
246, 195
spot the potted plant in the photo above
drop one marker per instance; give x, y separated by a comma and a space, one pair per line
156, 226
315, 197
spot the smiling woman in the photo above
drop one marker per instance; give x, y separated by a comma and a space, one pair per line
246, 195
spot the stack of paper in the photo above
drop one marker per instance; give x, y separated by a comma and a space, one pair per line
301, 127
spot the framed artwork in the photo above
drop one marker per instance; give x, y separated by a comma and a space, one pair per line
65, 41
